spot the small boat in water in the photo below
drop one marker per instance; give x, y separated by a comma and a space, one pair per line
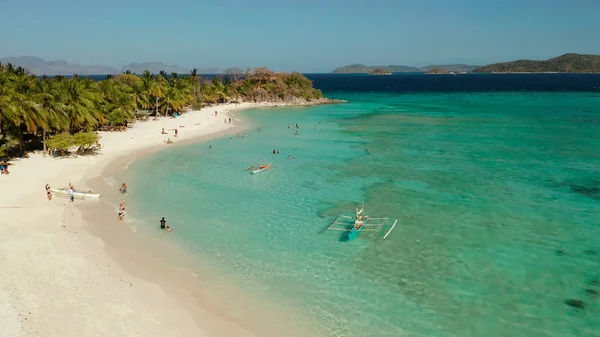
260, 168
360, 222
68, 192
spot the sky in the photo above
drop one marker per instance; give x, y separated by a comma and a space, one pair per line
297, 35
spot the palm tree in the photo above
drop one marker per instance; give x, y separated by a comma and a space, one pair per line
80, 103
158, 89
47, 98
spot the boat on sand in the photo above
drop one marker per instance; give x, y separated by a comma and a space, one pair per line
353, 225
67, 192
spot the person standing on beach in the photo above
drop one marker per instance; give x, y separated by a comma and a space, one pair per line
163, 223
175, 132
48, 192
122, 210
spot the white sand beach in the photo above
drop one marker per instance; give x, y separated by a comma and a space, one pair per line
57, 277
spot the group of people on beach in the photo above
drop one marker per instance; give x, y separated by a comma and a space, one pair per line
168, 140
123, 190
121, 215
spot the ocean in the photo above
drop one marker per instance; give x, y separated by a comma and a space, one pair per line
494, 180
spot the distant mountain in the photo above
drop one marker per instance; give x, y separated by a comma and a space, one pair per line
450, 67
363, 69
38, 66
156, 67
567, 63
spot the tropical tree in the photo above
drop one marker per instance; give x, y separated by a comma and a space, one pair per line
50, 109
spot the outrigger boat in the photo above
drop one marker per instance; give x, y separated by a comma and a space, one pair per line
360, 222
67, 192
260, 168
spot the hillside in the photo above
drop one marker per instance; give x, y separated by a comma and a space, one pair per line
363, 69
567, 63
38, 66
450, 67
438, 71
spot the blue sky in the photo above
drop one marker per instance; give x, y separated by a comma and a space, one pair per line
302, 35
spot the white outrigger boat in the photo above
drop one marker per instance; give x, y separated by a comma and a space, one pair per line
360, 222
67, 192
260, 168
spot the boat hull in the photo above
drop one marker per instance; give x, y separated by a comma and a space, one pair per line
65, 192
353, 233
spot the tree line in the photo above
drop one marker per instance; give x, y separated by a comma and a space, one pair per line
32, 108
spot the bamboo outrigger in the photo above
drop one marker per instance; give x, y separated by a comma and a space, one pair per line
360, 222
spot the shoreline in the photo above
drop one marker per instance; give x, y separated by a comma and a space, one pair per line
58, 264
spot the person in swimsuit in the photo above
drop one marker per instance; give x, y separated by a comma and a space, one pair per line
168, 228
123, 188
163, 223
48, 192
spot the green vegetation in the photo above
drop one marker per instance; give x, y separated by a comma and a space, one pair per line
61, 142
32, 107
380, 71
438, 71
567, 63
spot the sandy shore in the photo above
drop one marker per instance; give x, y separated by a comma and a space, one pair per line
58, 276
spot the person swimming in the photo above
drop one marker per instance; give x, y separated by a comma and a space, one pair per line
163, 223
123, 188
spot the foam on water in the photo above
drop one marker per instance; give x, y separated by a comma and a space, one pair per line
497, 198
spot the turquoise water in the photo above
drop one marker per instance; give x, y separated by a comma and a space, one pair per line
497, 197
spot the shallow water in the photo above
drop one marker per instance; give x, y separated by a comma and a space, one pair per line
497, 197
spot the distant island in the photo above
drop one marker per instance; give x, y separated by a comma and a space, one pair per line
363, 69
38, 66
380, 71
567, 63
438, 71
